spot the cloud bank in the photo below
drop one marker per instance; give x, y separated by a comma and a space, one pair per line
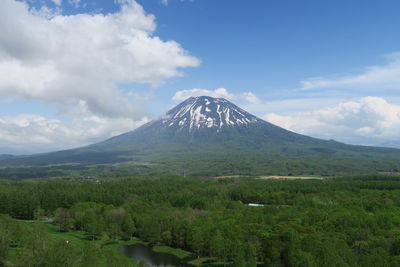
69, 59
76, 63
369, 121
27, 133
218, 93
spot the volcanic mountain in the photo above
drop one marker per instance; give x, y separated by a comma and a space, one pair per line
203, 121
205, 132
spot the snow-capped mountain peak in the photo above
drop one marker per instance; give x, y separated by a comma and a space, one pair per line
206, 112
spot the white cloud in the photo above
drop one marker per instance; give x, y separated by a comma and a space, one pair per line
218, 93
251, 98
184, 94
68, 59
75, 63
370, 121
375, 77
57, 2
164, 2
27, 133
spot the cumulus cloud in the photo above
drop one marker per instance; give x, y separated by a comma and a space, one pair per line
184, 94
76, 64
164, 2
27, 133
375, 77
57, 2
69, 59
369, 121
219, 93
251, 98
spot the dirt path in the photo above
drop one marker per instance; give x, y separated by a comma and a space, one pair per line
227, 176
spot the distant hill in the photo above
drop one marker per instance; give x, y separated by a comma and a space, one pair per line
5, 156
213, 136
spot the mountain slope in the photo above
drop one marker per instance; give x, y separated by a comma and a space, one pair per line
202, 121
215, 124
204, 132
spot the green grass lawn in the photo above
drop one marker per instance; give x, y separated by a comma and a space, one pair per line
201, 260
180, 253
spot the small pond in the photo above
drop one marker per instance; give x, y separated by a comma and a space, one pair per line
145, 253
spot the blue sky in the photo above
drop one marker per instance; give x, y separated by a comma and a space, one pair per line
329, 69
267, 47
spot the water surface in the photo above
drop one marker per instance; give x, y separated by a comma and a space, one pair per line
145, 253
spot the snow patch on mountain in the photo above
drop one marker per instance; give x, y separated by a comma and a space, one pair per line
207, 113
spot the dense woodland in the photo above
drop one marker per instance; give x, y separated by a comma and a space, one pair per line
352, 221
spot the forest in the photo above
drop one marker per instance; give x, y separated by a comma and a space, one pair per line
342, 221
